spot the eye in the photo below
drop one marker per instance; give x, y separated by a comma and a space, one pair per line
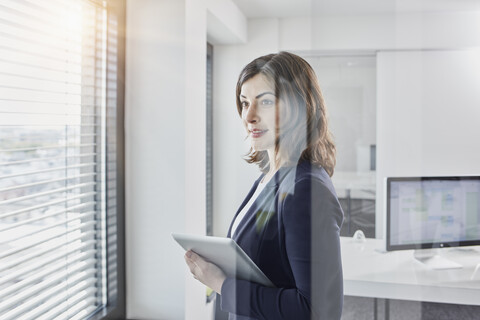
267, 102
244, 104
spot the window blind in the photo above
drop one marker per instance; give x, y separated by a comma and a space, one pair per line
57, 158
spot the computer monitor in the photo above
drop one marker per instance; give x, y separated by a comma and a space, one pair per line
432, 212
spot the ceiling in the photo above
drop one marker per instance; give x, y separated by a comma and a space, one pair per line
298, 8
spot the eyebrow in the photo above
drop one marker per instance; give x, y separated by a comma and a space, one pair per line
260, 95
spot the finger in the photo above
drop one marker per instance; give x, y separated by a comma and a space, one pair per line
192, 255
196, 264
191, 264
197, 259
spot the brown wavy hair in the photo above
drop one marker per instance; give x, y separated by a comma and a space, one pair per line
302, 128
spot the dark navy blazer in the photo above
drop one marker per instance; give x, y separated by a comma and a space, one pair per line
291, 232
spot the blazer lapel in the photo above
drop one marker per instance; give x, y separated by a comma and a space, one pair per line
244, 203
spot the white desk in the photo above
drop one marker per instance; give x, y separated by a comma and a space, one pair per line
397, 275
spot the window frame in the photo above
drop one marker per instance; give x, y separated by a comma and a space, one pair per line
115, 305
117, 309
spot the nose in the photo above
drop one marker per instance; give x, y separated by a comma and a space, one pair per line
251, 114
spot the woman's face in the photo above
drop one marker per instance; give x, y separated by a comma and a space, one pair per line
258, 100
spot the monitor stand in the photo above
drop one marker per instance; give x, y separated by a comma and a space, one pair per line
433, 260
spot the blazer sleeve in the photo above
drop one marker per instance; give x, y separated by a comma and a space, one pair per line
311, 218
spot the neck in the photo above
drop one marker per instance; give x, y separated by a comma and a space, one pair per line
274, 165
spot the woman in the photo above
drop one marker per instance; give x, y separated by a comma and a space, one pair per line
289, 223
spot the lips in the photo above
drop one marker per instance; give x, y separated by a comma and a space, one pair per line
257, 133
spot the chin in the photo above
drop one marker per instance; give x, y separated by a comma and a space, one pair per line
262, 144
260, 147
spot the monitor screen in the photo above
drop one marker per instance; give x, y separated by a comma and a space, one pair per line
432, 212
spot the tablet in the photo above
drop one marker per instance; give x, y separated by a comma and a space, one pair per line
226, 254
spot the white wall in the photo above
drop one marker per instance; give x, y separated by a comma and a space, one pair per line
428, 116
155, 158
165, 148
415, 30
321, 34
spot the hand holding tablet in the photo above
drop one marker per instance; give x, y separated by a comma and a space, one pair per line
226, 254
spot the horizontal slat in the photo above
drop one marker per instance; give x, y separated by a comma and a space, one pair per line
85, 299
27, 106
43, 12
71, 80
112, 279
83, 310
28, 86
81, 165
112, 261
40, 113
34, 184
40, 280
31, 245
14, 55
50, 215
25, 258
63, 93
112, 272
111, 233
41, 194
47, 13
52, 8
57, 292
23, 119
37, 265
112, 292
27, 173
83, 104
23, 137
111, 222
52, 125
64, 309
48, 159
81, 304
16, 36
20, 94
22, 37
38, 71
54, 72
112, 240
65, 146
84, 215
54, 268
53, 27
46, 204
